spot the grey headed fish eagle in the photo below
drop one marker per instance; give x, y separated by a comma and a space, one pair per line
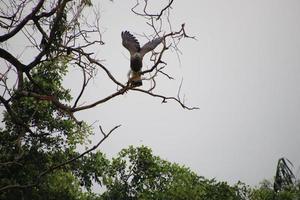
136, 54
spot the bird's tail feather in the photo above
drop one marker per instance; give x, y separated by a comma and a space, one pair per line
136, 79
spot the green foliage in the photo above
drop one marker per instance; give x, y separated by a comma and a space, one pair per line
39, 139
38, 156
91, 169
52, 125
60, 185
266, 192
137, 174
25, 155
134, 174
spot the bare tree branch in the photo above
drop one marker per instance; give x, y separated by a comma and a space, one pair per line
22, 23
10, 58
165, 98
66, 37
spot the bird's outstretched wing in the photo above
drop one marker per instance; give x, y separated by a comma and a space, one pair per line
149, 46
130, 42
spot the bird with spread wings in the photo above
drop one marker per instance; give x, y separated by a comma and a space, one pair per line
136, 54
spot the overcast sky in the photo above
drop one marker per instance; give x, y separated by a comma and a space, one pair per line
243, 72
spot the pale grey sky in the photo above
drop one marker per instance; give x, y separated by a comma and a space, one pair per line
243, 72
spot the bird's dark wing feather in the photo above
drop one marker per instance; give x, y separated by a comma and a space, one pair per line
130, 42
149, 46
